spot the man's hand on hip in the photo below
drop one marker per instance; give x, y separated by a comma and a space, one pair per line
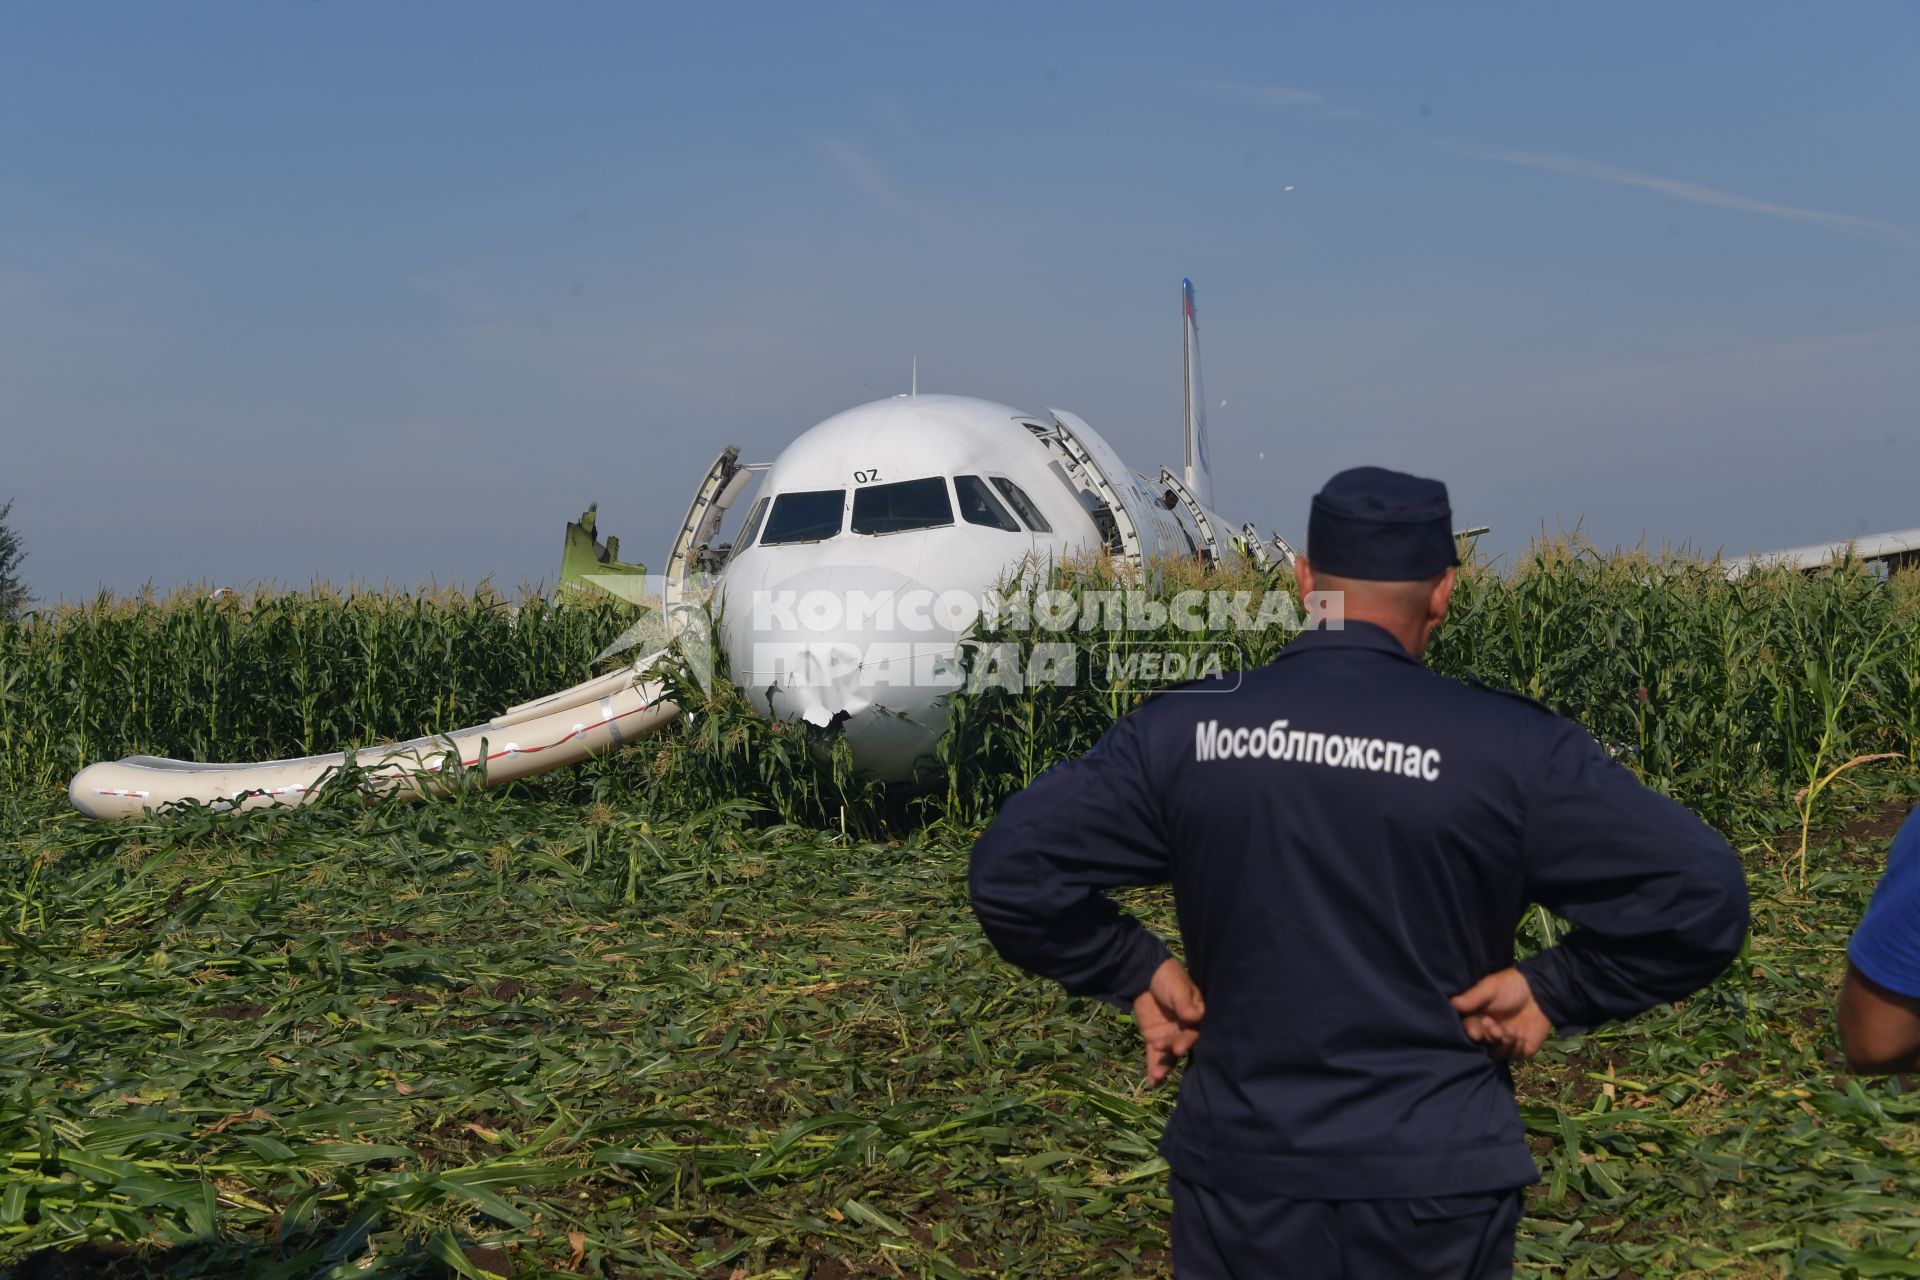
1169, 1013
1498, 1012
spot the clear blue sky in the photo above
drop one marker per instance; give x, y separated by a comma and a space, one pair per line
385, 292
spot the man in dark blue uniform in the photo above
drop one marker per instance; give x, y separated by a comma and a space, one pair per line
1352, 841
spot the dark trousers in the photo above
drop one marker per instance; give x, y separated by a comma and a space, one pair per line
1219, 1235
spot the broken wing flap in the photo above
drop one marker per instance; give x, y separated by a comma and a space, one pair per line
584, 555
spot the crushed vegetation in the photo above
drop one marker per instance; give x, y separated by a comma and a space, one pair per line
716, 1007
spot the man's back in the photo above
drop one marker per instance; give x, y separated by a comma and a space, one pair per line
1352, 840
1331, 901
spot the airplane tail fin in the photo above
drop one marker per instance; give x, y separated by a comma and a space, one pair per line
1199, 467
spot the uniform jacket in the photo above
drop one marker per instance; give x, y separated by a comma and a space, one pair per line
1352, 840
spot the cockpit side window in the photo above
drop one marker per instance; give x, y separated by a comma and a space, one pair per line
906, 504
1017, 498
979, 506
808, 515
751, 527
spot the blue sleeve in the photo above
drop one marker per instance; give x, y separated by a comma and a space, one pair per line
1657, 899
1886, 946
1037, 874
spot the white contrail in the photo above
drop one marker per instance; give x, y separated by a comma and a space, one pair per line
1694, 193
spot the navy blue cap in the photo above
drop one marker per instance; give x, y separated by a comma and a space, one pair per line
1381, 526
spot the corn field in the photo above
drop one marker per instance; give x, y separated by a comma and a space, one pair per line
274, 674
716, 1006
1733, 696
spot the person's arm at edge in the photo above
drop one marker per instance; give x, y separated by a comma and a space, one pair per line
1879, 1027
1879, 1013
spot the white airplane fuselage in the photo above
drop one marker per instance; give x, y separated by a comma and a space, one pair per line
842, 599
875, 536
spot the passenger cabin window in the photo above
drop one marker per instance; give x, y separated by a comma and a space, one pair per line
908, 504
1017, 498
752, 526
811, 515
979, 506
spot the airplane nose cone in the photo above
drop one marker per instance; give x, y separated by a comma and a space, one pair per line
876, 660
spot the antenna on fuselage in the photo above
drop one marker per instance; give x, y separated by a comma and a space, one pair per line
913, 387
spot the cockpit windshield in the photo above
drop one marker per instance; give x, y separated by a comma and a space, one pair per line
1023, 504
907, 504
979, 506
811, 515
